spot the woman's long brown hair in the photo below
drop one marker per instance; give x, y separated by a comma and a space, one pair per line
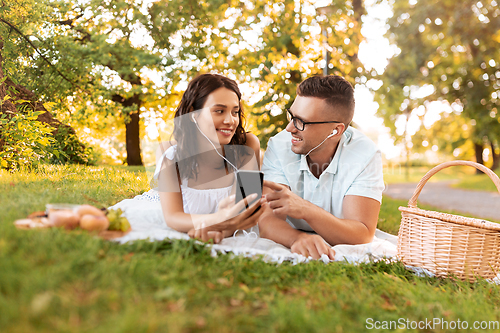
194, 99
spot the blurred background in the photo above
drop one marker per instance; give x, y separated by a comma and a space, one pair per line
97, 82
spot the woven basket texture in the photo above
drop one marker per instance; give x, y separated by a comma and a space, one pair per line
449, 245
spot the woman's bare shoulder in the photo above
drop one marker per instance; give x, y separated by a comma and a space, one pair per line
163, 146
252, 141
254, 144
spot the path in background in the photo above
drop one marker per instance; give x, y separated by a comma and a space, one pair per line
479, 204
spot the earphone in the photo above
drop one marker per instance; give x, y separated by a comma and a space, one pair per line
334, 132
199, 129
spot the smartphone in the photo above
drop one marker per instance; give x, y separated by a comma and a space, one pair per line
249, 182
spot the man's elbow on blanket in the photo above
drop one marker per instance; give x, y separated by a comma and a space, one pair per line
266, 222
363, 239
362, 233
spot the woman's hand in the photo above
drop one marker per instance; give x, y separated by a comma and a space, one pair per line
228, 219
205, 235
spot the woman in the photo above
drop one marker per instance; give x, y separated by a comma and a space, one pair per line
196, 172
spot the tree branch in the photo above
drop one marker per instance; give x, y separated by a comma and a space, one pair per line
131, 78
37, 51
70, 21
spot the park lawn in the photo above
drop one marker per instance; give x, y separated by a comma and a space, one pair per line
396, 173
53, 280
464, 177
478, 183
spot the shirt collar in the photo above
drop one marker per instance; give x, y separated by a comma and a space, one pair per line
334, 164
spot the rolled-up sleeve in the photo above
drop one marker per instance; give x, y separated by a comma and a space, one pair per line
370, 182
271, 165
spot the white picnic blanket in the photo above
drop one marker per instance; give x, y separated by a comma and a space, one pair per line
147, 222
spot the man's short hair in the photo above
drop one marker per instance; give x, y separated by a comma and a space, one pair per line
335, 90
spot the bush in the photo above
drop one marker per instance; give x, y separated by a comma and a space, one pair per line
25, 141
72, 150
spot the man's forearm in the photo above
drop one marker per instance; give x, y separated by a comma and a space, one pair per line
276, 229
338, 231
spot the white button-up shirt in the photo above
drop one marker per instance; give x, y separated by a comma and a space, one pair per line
356, 169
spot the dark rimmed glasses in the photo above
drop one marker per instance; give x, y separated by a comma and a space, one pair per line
300, 124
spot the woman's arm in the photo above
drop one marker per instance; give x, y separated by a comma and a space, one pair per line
170, 192
254, 143
172, 202
225, 219
251, 156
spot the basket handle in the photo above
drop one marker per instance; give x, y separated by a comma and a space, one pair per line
413, 200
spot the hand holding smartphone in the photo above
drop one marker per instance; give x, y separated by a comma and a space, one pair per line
248, 182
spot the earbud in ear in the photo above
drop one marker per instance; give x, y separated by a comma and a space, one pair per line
333, 133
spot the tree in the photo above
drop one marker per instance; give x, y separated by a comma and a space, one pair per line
270, 46
289, 49
85, 55
451, 46
75, 49
28, 132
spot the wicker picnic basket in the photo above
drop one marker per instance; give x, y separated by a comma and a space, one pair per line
446, 244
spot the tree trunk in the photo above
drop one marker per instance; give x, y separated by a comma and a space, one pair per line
359, 10
132, 133
2, 86
479, 155
132, 136
4, 105
496, 157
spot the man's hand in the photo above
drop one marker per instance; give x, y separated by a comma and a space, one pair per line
312, 245
284, 202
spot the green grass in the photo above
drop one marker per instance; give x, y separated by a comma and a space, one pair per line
478, 183
399, 174
465, 176
57, 281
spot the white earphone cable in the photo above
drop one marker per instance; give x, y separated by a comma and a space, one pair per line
235, 168
329, 136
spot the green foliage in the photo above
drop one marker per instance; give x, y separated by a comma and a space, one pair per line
98, 56
289, 47
25, 141
451, 47
451, 134
71, 149
85, 56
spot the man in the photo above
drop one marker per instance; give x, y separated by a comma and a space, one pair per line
323, 179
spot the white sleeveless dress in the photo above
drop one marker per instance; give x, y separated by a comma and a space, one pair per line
195, 201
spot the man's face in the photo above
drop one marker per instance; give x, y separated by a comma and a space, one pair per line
310, 109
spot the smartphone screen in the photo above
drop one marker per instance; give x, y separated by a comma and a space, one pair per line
248, 182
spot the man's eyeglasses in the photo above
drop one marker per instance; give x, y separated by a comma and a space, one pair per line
300, 124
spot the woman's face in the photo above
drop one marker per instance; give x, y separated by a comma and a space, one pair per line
219, 117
